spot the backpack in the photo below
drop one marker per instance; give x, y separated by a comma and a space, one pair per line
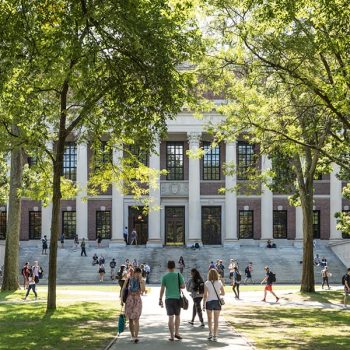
246, 270
199, 286
272, 276
143, 273
134, 285
343, 280
238, 277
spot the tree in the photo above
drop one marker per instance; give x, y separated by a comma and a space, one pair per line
276, 64
97, 68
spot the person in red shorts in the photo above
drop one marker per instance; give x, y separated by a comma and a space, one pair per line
269, 279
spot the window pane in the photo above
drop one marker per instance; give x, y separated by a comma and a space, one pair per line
175, 160
246, 226
70, 161
103, 224
316, 224
211, 162
35, 225
69, 224
245, 159
280, 224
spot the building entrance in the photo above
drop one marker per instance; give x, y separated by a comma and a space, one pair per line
174, 225
211, 225
139, 221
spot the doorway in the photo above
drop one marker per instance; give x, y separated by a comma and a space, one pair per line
175, 225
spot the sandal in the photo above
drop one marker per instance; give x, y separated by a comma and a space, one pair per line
178, 336
171, 339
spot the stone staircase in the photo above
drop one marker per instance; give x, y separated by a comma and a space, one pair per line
284, 261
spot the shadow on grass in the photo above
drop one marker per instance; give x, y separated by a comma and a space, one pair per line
299, 329
77, 326
325, 297
5, 295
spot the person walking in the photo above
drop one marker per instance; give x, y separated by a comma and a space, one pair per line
171, 284
112, 265
25, 274
76, 241
125, 235
83, 247
44, 245
122, 275
213, 289
269, 279
181, 264
35, 271
325, 275
31, 285
62, 240
195, 285
99, 240
101, 271
236, 281
133, 236
248, 273
346, 282
147, 269
133, 304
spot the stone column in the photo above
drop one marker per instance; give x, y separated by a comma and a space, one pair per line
266, 205
46, 216
194, 204
231, 196
117, 206
335, 202
154, 239
299, 223
81, 202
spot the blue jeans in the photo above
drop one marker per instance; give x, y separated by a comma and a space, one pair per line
31, 286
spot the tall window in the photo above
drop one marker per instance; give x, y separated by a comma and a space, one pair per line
3, 224
245, 159
316, 224
35, 225
140, 154
211, 162
69, 223
246, 224
175, 160
280, 224
211, 225
103, 224
70, 161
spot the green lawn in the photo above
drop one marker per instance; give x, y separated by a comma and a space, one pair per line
75, 325
281, 327
258, 287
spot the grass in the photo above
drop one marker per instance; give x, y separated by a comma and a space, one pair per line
305, 328
80, 324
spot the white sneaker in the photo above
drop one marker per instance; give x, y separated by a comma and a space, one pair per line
215, 338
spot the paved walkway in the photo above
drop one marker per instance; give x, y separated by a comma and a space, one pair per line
154, 331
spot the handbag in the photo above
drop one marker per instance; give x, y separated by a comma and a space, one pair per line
125, 292
183, 299
221, 300
121, 322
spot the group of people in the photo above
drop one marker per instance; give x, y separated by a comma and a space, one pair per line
132, 238
207, 295
31, 276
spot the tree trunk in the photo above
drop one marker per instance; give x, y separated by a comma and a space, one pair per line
11, 269
308, 279
56, 208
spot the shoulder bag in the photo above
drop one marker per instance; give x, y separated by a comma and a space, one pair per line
221, 300
125, 292
183, 299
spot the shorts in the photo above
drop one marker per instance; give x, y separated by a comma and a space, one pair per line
213, 305
268, 287
172, 307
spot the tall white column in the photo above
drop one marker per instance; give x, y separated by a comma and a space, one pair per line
46, 216
231, 196
81, 202
335, 202
266, 205
117, 205
194, 204
154, 239
299, 223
